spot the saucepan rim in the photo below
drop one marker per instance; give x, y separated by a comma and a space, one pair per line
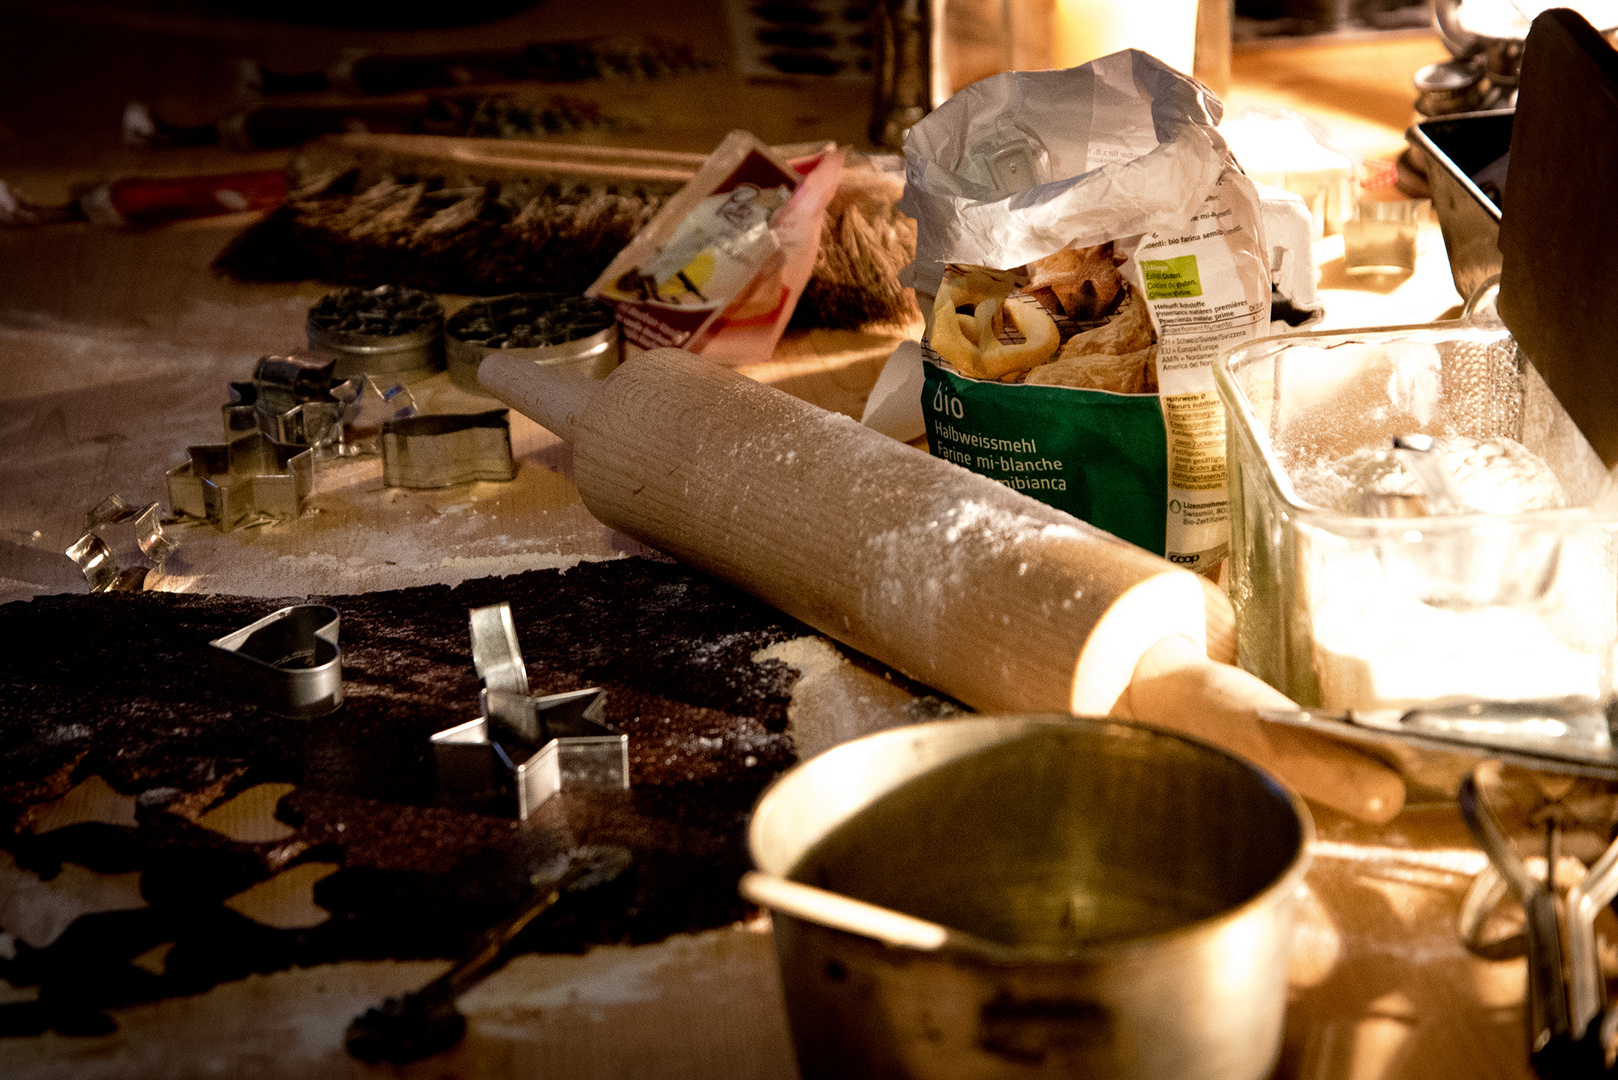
1185, 935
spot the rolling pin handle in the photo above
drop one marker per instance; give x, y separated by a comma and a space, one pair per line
1176, 686
554, 396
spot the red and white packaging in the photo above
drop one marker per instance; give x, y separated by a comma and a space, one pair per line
720, 268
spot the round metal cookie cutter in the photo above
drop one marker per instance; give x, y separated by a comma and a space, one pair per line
547, 328
388, 330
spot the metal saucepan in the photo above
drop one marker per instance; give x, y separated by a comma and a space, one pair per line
1108, 899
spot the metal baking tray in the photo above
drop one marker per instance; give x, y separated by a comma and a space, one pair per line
1460, 150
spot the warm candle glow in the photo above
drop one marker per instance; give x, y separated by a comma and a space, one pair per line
1086, 29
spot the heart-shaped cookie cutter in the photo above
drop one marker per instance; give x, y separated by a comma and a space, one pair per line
287, 662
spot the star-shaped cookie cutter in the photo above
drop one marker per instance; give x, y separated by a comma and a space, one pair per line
293, 399
248, 481
534, 746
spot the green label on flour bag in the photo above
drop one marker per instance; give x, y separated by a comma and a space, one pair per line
1099, 456
1171, 279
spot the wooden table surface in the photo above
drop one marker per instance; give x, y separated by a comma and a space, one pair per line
114, 351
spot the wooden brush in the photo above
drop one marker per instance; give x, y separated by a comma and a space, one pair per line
491, 216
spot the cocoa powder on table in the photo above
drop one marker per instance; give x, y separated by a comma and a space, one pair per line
120, 686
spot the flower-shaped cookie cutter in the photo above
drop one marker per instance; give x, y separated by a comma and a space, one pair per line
121, 545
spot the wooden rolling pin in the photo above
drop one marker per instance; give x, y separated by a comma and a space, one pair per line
949, 577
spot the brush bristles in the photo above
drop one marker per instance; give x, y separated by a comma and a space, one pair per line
864, 243
459, 240
543, 236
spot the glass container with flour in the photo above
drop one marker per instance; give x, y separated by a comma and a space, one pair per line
1416, 523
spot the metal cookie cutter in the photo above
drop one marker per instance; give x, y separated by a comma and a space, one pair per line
536, 745
249, 481
388, 330
293, 399
288, 661
120, 546
447, 449
367, 405
1569, 1025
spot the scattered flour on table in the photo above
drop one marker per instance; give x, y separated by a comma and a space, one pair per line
476, 566
952, 547
834, 701
38, 910
607, 975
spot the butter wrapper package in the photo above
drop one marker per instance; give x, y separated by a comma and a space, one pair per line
1086, 245
719, 269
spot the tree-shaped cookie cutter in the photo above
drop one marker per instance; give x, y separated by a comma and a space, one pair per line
293, 399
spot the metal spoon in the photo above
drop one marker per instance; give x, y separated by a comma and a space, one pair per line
424, 1022
1415, 452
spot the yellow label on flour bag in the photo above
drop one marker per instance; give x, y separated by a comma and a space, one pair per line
1171, 279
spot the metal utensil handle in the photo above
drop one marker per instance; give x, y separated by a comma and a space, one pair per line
1586, 988
1549, 1028
587, 868
486, 954
1460, 41
845, 913
1485, 828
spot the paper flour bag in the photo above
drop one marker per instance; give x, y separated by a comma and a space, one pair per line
1085, 246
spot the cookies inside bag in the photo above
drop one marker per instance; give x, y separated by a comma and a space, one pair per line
1069, 319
